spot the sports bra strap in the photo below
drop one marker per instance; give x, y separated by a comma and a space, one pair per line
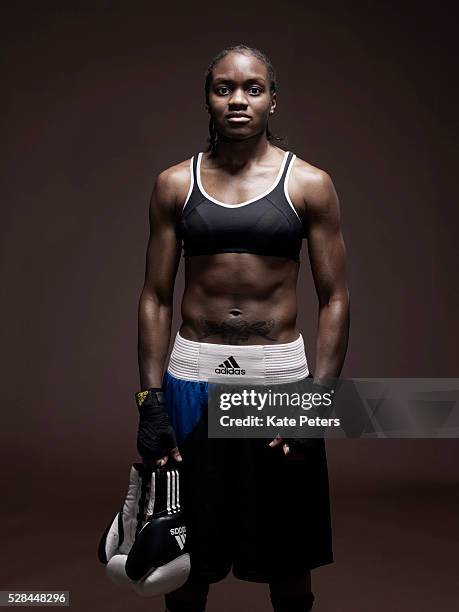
195, 168
281, 181
286, 167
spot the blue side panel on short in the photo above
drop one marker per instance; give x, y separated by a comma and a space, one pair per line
186, 400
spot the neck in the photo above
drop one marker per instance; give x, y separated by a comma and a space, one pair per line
239, 152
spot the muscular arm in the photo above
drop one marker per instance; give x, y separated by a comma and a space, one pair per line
327, 257
155, 305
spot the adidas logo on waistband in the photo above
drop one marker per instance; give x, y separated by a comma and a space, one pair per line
230, 366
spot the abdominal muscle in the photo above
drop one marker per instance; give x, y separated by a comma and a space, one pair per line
240, 298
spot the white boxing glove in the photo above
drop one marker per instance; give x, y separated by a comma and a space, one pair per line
144, 545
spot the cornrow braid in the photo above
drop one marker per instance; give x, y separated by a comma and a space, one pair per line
213, 135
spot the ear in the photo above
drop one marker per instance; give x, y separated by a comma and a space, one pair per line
273, 103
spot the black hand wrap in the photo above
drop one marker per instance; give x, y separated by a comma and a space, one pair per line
156, 436
303, 445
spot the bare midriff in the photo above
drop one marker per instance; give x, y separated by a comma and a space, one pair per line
240, 298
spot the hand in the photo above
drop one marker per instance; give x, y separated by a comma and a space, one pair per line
160, 462
156, 436
293, 448
297, 448
277, 441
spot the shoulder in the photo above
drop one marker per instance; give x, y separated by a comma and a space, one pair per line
175, 179
311, 188
172, 185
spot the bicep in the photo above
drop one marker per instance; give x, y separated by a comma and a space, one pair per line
326, 247
163, 250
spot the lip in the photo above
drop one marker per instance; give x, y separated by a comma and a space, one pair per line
237, 118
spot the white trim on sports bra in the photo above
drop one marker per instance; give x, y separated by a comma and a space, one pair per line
286, 186
191, 184
204, 192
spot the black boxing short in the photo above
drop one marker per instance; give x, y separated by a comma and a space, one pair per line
248, 506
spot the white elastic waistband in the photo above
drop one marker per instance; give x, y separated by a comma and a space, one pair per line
269, 363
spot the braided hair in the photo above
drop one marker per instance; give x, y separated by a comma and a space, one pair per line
213, 136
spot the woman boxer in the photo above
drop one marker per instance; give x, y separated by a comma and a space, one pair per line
240, 211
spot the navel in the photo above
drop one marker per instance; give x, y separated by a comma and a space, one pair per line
235, 312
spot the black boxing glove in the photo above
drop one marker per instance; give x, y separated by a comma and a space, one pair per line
156, 436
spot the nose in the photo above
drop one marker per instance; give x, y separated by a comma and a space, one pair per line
238, 97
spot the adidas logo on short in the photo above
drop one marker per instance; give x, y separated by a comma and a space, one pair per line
230, 366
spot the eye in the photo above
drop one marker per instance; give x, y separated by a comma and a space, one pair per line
254, 90
222, 90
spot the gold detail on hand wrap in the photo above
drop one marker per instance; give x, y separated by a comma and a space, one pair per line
140, 397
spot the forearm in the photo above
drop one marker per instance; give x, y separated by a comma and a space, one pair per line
332, 338
154, 333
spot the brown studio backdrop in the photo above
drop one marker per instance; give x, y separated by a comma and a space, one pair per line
98, 100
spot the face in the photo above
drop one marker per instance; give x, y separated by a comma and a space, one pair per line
240, 101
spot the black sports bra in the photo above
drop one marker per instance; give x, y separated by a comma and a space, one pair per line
265, 225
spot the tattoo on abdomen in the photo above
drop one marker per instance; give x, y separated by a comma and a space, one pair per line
236, 331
